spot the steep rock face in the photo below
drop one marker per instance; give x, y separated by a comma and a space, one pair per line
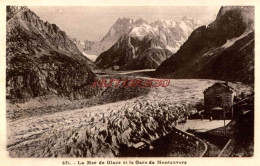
41, 59
222, 50
134, 53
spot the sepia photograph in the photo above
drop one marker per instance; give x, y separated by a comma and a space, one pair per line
130, 81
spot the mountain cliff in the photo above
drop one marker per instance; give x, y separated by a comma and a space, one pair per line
42, 60
222, 50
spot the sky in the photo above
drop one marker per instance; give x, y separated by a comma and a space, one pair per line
92, 23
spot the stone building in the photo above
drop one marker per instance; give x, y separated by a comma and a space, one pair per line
219, 99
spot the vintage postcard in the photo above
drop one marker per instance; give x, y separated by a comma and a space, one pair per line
123, 83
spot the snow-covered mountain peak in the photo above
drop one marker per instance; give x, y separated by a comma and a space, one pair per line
124, 21
141, 31
170, 32
121, 26
164, 23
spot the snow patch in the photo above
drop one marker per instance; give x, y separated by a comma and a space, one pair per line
91, 57
141, 31
172, 49
137, 71
157, 47
232, 41
207, 54
185, 28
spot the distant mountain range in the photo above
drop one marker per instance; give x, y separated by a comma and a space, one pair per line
222, 50
156, 40
83, 46
41, 59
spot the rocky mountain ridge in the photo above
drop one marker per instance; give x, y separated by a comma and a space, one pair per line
41, 59
222, 50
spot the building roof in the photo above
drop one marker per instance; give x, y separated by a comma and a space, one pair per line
225, 85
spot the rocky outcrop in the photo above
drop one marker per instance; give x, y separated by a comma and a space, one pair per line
41, 59
222, 50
